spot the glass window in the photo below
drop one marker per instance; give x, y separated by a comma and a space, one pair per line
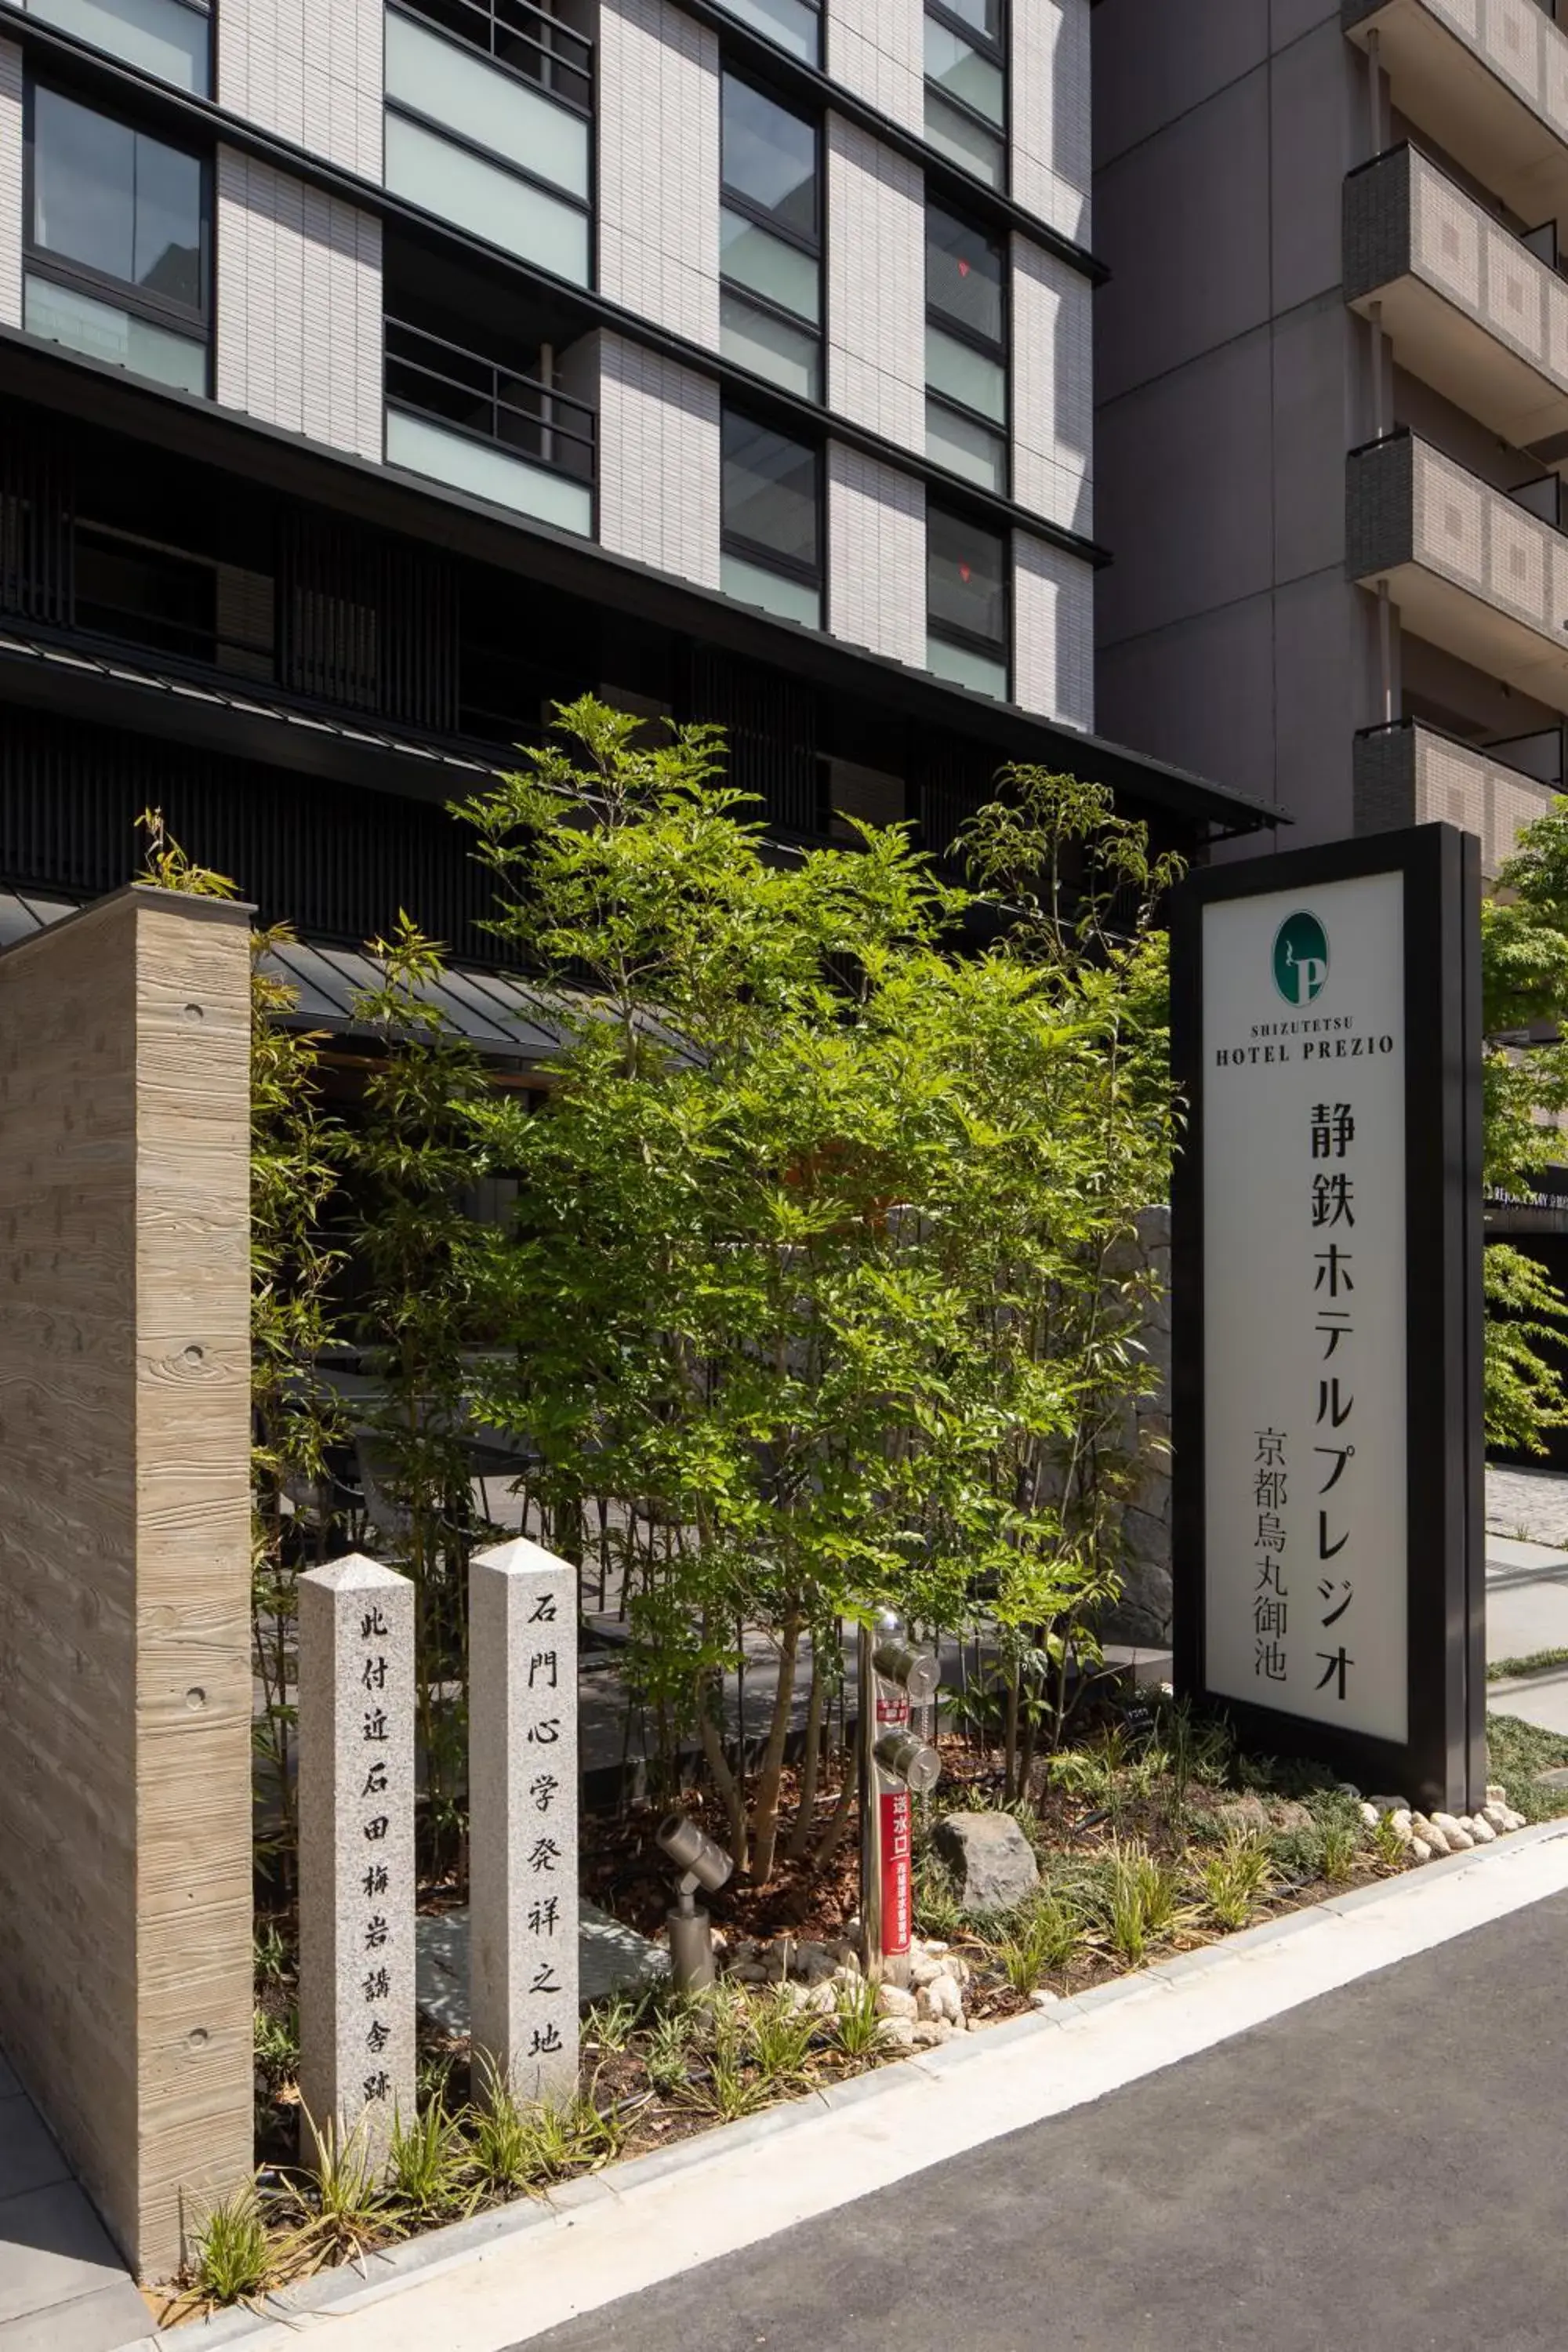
965, 275
769, 159
985, 16
964, 142
764, 265
170, 38
795, 25
462, 187
966, 447
769, 496
768, 346
966, 586
965, 73
974, 379
450, 86
115, 202
99, 330
769, 228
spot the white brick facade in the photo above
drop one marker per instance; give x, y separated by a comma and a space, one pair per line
10, 185
876, 286
658, 166
1053, 633
1050, 99
1053, 388
299, 306
877, 48
658, 461
310, 73
875, 556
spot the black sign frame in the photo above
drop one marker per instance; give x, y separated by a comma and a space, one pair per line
1443, 1764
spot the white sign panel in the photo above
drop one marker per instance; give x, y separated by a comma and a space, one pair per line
1304, 1306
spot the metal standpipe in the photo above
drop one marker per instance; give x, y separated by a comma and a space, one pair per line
894, 1763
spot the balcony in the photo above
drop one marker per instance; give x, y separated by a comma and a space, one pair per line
1468, 568
490, 125
1411, 774
1470, 309
1487, 80
458, 417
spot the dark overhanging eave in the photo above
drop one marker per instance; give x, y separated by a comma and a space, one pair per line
68, 385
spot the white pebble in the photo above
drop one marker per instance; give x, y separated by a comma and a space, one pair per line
893, 2001
1370, 1816
1420, 1849
900, 2031
1482, 1829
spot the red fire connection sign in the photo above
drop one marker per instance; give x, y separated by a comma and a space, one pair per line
896, 1893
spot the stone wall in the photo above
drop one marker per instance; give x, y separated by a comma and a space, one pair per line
124, 1552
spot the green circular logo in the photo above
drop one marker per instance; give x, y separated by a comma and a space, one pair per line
1301, 958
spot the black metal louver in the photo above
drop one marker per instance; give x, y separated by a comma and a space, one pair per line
770, 723
36, 526
367, 622
335, 861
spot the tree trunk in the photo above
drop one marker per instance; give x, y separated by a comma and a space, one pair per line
843, 1814
729, 1789
766, 1817
800, 1841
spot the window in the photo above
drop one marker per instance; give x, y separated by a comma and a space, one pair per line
966, 602
492, 422
966, 344
795, 25
488, 125
770, 236
770, 504
118, 262
170, 38
966, 85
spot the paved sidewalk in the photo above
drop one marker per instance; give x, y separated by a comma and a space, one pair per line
63, 2288
1382, 2166
1531, 1506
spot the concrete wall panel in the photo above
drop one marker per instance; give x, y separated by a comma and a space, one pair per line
658, 166
299, 308
1053, 632
10, 185
1053, 388
877, 48
1152, 65
125, 1865
313, 75
1052, 126
876, 286
1183, 223
658, 461
875, 556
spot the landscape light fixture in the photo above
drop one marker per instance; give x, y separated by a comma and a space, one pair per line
700, 1863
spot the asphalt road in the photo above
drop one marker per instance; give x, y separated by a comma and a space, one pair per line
1386, 2167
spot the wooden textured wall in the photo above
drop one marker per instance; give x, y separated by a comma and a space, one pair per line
124, 1543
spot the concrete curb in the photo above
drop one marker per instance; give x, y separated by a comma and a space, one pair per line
419, 2259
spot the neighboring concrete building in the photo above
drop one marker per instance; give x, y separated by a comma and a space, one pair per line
1332, 386
375, 371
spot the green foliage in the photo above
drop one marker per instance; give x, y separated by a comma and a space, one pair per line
276, 2045
1516, 1752
1237, 1877
339, 2197
1538, 1662
1141, 1900
1387, 1844
233, 2256
1043, 1939
820, 1258
855, 2028
428, 2164
1524, 988
1339, 1852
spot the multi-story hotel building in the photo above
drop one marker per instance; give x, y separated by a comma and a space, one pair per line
375, 372
1333, 391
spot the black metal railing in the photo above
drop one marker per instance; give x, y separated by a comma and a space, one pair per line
429, 377
528, 41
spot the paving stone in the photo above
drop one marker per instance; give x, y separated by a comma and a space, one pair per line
612, 1958
110, 2319
54, 2250
28, 2156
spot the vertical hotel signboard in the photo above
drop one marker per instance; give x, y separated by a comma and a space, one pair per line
1330, 1572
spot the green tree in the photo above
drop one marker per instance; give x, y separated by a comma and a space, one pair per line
813, 1275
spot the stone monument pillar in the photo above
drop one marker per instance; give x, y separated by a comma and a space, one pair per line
356, 1853
523, 1825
